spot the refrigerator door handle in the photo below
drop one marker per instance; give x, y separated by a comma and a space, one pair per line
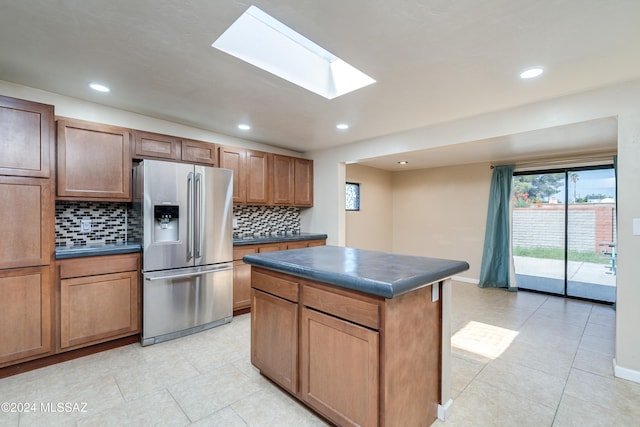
189, 216
199, 220
199, 272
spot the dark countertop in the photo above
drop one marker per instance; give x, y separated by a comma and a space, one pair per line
97, 250
253, 240
376, 273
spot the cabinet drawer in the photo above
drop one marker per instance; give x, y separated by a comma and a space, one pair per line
238, 253
91, 266
274, 284
366, 313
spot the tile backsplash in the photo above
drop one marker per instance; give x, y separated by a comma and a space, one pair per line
266, 220
108, 223
113, 222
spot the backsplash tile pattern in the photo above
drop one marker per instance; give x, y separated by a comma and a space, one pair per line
113, 222
108, 223
266, 220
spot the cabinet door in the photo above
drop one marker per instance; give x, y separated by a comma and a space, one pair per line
313, 243
234, 159
25, 313
283, 180
241, 285
258, 173
26, 137
274, 338
93, 161
303, 187
199, 152
26, 212
339, 369
156, 146
97, 308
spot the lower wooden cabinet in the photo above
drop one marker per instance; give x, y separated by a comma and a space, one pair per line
274, 345
339, 368
359, 360
242, 271
99, 299
25, 314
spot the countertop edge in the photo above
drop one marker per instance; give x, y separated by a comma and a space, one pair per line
278, 239
361, 284
81, 252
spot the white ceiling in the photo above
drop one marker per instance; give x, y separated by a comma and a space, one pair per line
434, 61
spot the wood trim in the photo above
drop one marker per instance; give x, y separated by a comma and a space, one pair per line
273, 283
42, 362
91, 266
348, 307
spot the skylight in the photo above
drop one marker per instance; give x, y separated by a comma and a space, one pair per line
265, 42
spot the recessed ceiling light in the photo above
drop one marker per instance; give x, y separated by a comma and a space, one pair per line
342, 126
403, 162
242, 126
531, 73
99, 87
263, 41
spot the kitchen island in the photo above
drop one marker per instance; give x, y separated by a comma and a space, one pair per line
361, 337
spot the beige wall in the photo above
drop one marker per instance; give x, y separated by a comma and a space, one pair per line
438, 212
442, 213
370, 227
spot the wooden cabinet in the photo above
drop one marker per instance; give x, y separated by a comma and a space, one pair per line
26, 227
303, 187
242, 271
198, 152
339, 369
292, 181
94, 162
149, 145
99, 299
283, 180
25, 314
241, 278
360, 360
26, 138
274, 343
251, 172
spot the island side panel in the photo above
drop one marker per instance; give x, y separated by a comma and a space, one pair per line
445, 388
410, 359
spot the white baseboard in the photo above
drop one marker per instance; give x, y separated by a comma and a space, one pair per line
626, 373
444, 411
465, 280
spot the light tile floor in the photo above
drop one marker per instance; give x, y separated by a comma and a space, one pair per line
519, 359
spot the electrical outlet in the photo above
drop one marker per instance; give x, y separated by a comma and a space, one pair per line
235, 222
85, 226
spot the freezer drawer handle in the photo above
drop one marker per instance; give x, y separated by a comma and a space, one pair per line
193, 273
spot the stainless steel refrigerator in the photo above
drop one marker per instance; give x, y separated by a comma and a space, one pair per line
187, 267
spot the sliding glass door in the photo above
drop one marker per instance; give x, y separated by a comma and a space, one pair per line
564, 239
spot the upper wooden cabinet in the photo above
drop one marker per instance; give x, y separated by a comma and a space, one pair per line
303, 186
292, 181
94, 162
26, 211
198, 152
26, 138
148, 145
156, 146
251, 174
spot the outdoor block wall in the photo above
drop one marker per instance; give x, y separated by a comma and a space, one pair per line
589, 224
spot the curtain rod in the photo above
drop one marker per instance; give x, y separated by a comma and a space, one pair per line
605, 158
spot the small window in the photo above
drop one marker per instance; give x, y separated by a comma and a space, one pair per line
352, 191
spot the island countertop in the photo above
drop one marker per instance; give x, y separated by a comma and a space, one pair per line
376, 273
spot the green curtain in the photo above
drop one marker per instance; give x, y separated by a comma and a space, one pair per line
494, 271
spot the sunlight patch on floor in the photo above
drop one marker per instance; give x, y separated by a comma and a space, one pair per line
483, 339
